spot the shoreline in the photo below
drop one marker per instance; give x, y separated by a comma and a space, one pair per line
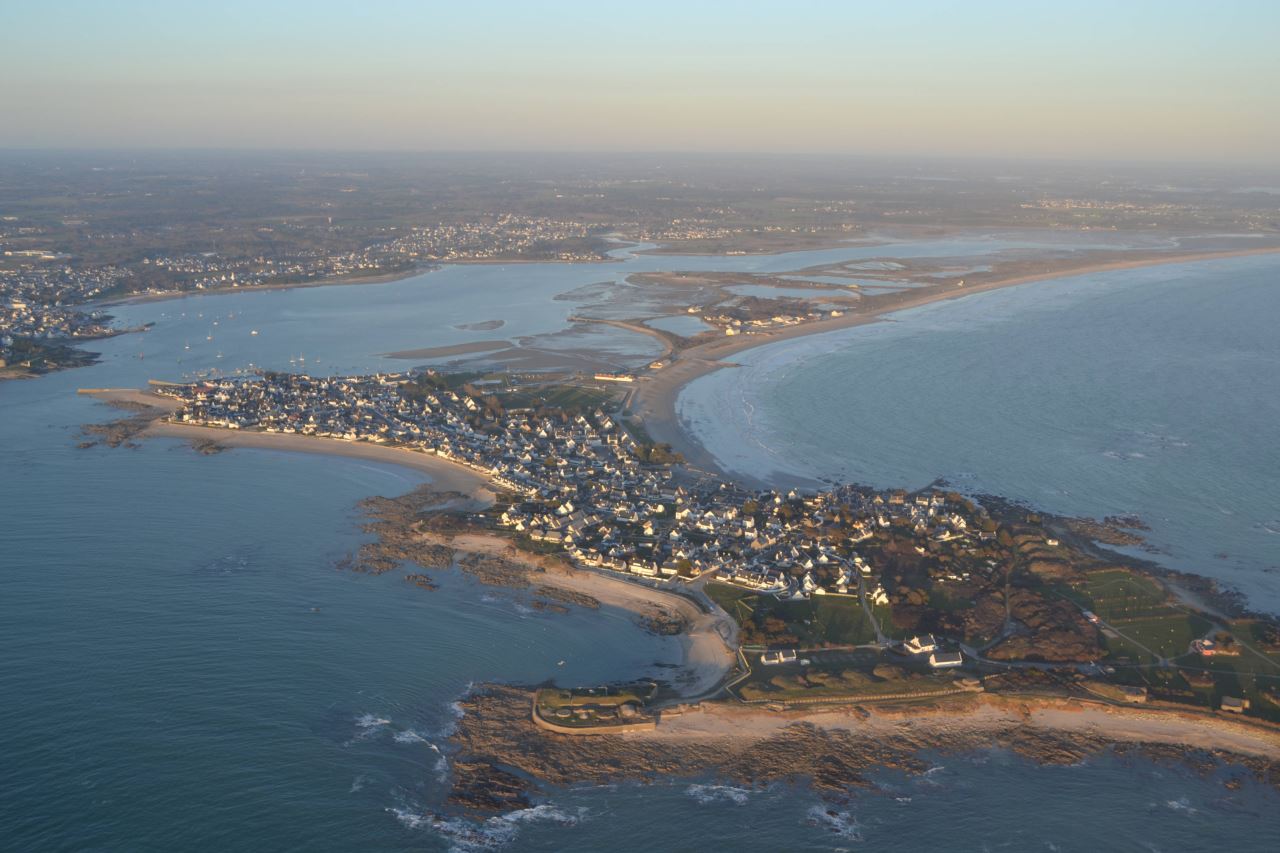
445, 475
707, 656
708, 641
989, 712
378, 278
656, 395
832, 752
161, 296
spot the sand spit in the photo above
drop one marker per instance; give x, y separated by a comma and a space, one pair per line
445, 475
654, 399
446, 351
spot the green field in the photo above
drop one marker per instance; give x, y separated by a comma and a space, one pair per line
1121, 594
1167, 635
1154, 626
736, 601
821, 620
842, 621
833, 675
573, 399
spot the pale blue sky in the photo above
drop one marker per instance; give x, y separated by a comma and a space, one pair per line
1166, 80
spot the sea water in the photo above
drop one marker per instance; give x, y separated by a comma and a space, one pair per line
183, 667
1152, 392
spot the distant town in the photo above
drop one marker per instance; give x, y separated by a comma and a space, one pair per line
100, 227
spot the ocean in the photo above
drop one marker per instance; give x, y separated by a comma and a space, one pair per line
183, 667
1150, 392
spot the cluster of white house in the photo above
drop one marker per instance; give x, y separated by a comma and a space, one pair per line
38, 304
578, 484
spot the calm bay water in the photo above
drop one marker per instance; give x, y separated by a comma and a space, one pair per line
1153, 392
181, 666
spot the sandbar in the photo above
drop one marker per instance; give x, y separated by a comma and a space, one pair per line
446, 351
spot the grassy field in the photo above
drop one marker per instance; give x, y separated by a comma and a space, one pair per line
1167, 635
734, 600
1121, 594
842, 621
1155, 627
854, 674
570, 398
821, 620
1152, 624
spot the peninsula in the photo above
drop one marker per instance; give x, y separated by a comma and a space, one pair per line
799, 608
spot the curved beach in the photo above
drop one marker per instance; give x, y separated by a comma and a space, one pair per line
708, 642
655, 397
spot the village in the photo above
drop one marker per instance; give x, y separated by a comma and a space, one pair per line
38, 311
930, 577
582, 483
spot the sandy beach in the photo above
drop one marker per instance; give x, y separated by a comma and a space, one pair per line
709, 643
984, 713
655, 395
445, 475
446, 351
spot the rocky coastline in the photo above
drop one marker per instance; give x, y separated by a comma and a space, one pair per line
503, 761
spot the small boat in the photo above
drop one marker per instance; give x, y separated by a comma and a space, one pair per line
254, 333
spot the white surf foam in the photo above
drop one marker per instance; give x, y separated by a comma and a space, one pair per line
705, 794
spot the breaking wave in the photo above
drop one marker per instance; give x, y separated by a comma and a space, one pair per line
705, 794
841, 823
467, 836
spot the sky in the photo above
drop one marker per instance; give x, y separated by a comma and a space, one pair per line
1122, 79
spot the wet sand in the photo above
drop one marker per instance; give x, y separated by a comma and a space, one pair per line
446, 351
655, 395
